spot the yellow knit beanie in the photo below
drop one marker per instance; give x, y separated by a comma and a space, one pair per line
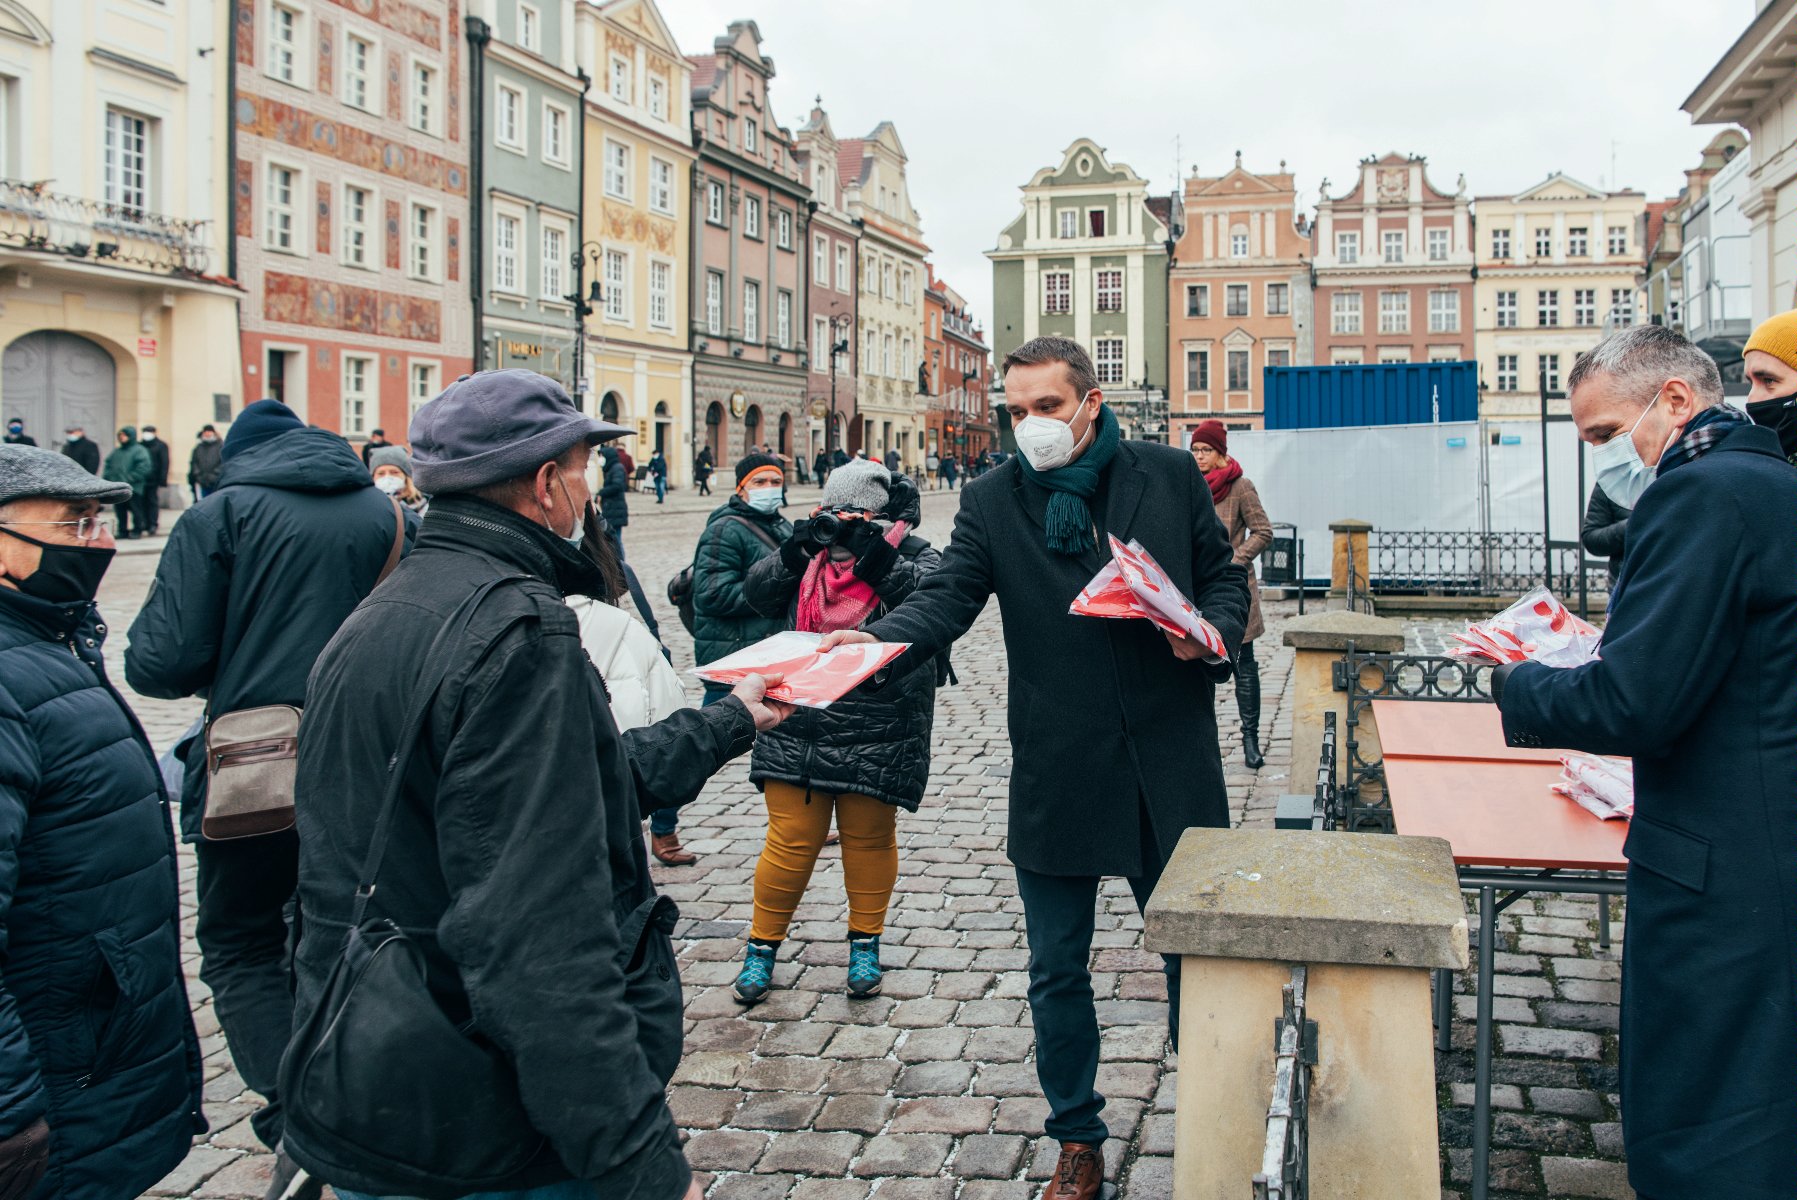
1777, 336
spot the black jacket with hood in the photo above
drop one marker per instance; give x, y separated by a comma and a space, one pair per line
254, 581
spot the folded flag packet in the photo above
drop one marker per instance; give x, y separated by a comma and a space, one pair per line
814, 679
1537, 628
1133, 585
1604, 787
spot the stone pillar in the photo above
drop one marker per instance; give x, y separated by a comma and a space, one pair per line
1348, 533
1320, 640
1370, 916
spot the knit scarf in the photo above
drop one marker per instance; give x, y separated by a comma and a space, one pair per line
1222, 479
832, 596
1069, 517
1701, 435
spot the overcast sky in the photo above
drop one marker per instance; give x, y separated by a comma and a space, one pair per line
985, 92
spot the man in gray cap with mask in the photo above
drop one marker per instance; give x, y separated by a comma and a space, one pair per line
515, 859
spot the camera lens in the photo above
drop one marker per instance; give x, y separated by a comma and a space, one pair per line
826, 528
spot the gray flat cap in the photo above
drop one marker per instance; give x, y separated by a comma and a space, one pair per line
28, 472
496, 425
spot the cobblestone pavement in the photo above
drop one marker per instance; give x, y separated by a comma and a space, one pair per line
929, 1092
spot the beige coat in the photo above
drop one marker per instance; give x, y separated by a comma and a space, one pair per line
1249, 532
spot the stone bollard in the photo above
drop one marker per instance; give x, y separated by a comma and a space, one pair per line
1349, 534
1370, 916
1320, 640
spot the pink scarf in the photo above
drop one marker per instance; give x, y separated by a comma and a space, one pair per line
832, 597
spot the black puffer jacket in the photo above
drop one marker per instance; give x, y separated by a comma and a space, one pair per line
254, 581
724, 621
876, 744
614, 488
95, 1033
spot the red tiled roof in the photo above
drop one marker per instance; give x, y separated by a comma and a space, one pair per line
1656, 221
1162, 208
705, 68
848, 160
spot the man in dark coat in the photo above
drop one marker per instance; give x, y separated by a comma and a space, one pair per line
205, 463
1113, 723
515, 860
1698, 683
16, 435
1605, 531
152, 499
99, 1066
254, 581
614, 490
376, 439
83, 449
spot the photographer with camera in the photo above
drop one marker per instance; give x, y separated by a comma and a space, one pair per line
864, 757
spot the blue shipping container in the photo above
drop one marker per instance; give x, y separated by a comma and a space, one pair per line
1371, 394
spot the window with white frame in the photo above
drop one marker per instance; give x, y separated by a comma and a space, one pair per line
530, 28
1578, 241
1235, 300
1547, 308
507, 233
620, 79
358, 392
1438, 245
1444, 354
783, 318
358, 227
508, 117
842, 268
1197, 370
1584, 306
1619, 239
661, 186
906, 295
361, 74
1444, 311
1344, 314
279, 208
617, 170
1394, 312
1279, 299
886, 278
423, 385
820, 259
555, 134
783, 229
870, 275
1347, 246
751, 311
1394, 354
1393, 242
1500, 243
1549, 370
285, 33
1069, 223
1197, 299
1108, 284
752, 216
1544, 242
661, 294
1506, 372
714, 303
127, 160
617, 285
1057, 292
820, 344
1279, 356
714, 203
1238, 244
905, 359
421, 254
658, 97
1346, 355
1107, 357
1507, 309
869, 358
886, 356
1238, 371
422, 114
552, 279
751, 135
1622, 305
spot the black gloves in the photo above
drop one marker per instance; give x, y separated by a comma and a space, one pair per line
797, 551
874, 555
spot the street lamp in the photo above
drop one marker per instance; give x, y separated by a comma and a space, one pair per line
839, 323
584, 306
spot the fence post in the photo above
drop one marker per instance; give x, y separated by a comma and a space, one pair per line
1350, 540
1320, 640
1371, 918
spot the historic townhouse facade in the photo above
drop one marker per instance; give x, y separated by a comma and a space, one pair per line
1087, 259
1393, 267
526, 173
832, 262
748, 195
116, 305
352, 193
889, 324
1239, 298
958, 366
1558, 266
638, 228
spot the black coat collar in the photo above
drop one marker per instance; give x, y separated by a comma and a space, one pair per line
54, 622
459, 522
1124, 483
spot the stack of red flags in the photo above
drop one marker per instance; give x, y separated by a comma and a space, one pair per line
1133, 585
1537, 628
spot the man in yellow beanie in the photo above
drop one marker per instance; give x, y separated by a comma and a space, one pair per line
1770, 364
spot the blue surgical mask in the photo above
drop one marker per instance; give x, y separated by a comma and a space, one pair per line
1620, 469
765, 499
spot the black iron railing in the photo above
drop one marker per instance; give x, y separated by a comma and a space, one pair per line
35, 219
1473, 563
1285, 1159
1324, 814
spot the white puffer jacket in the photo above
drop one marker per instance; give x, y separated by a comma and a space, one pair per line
643, 687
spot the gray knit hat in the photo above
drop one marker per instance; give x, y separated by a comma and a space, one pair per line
31, 472
391, 456
861, 485
492, 426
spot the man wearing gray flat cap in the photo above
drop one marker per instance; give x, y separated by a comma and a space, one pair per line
89, 898
513, 856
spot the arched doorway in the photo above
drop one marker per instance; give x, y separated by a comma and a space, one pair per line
663, 422
752, 429
51, 380
714, 432
608, 407
784, 445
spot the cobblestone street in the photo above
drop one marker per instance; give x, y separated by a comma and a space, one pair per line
928, 1092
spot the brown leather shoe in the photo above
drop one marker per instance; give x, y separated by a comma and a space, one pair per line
667, 849
1078, 1175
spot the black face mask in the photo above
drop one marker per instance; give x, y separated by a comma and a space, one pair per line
1780, 413
65, 574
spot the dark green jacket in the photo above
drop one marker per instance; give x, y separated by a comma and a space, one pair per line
130, 463
723, 619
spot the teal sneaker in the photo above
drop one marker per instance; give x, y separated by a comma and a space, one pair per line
864, 966
757, 975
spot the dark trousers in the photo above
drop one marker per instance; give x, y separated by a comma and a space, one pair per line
1058, 915
246, 957
151, 511
127, 518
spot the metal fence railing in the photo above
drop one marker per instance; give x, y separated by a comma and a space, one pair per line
1474, 563
1285, 1158
36, 219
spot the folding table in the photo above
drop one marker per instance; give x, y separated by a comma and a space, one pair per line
1448, 774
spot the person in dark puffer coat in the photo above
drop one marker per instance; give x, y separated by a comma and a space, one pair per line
98, 1057
865, 756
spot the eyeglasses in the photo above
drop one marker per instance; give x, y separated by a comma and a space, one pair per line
87, 529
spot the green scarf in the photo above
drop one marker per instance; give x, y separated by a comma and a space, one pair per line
1069, 518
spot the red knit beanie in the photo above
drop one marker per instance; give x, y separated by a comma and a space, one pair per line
1211, 434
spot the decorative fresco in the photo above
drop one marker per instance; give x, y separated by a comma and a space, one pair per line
322, 304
